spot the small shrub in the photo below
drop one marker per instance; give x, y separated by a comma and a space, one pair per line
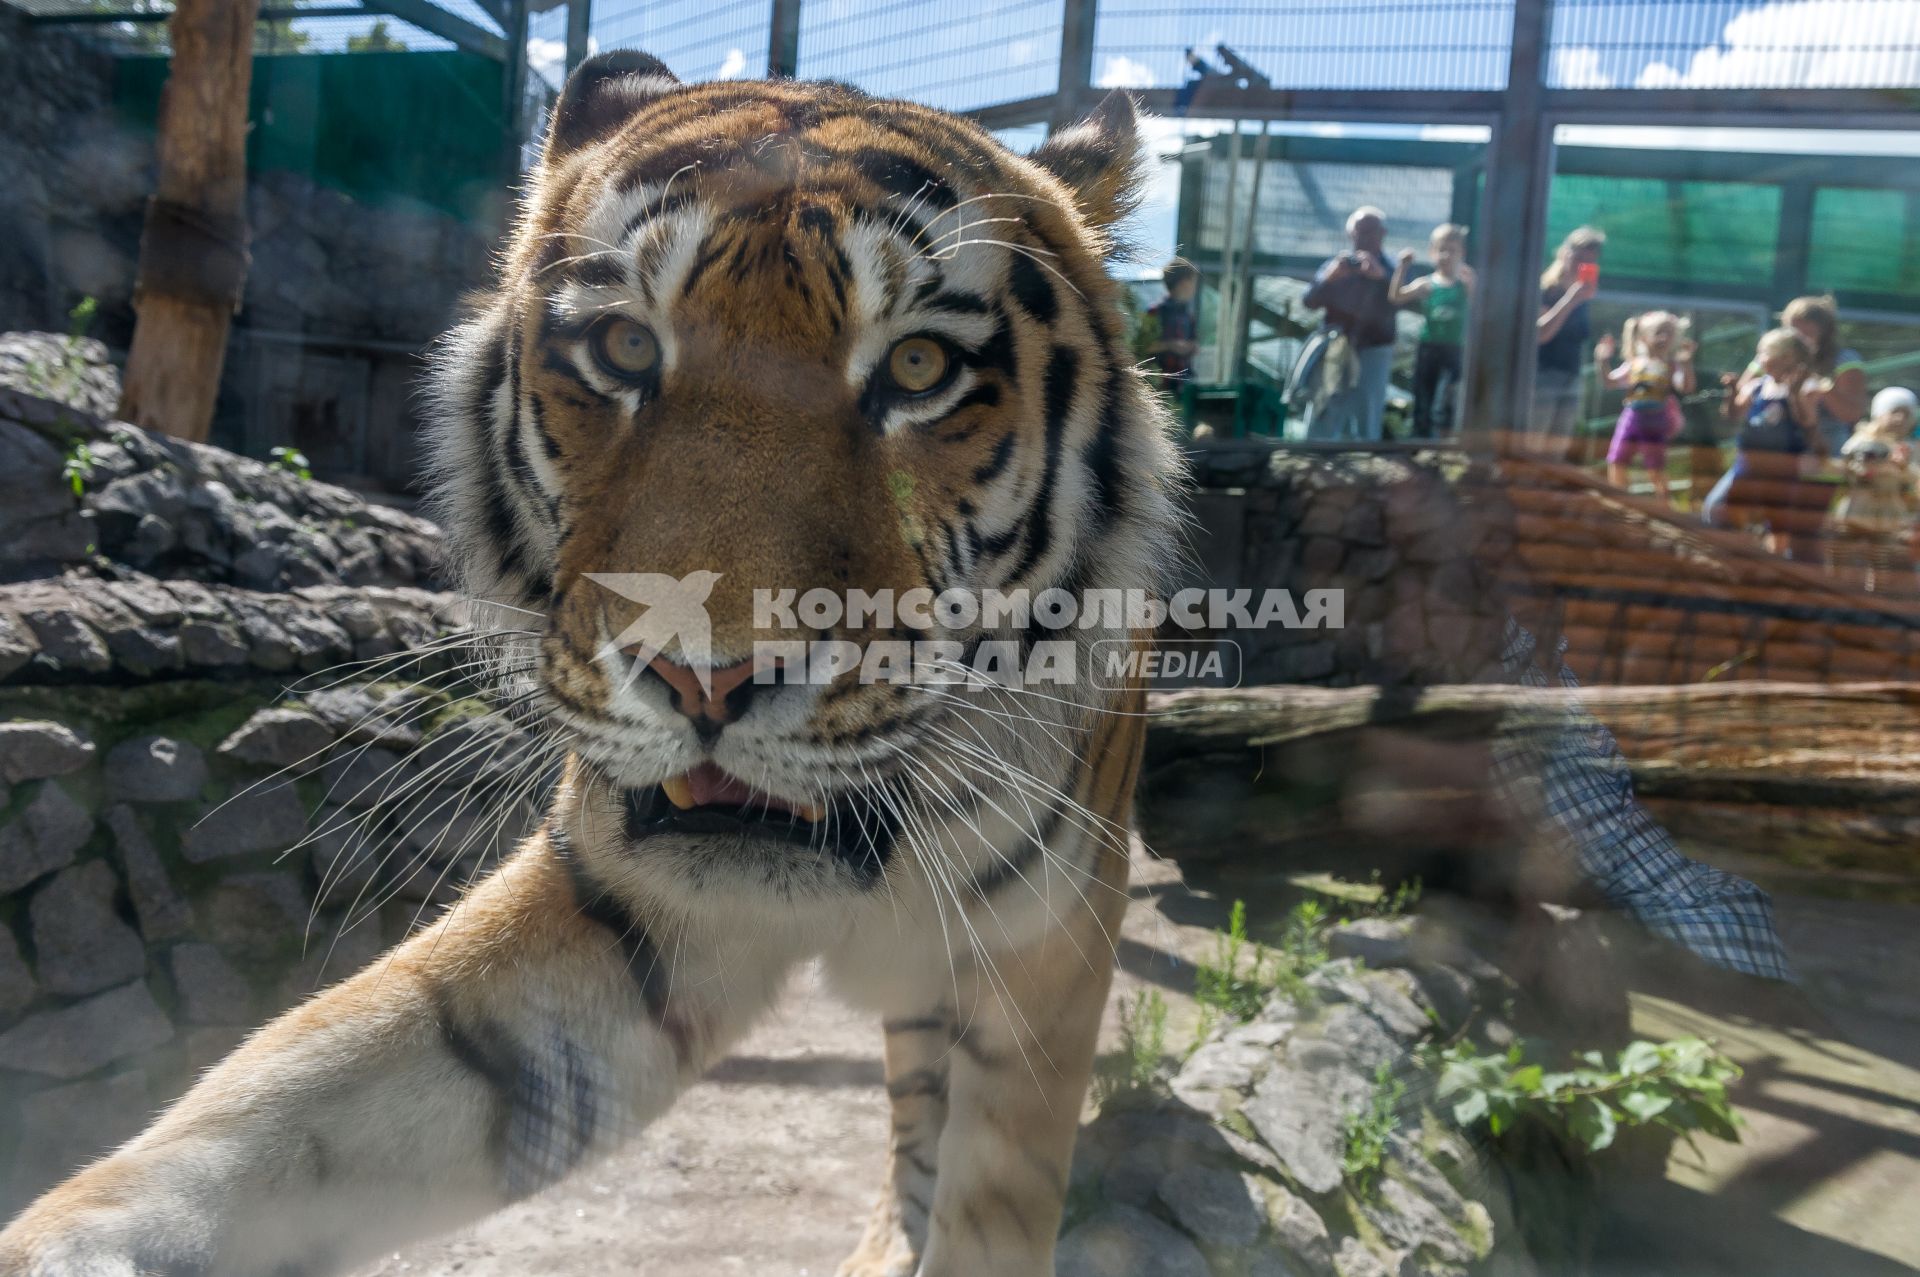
291, 460
1367, 1131
77, 468
1237, 981
1680, 1085
1135, 1068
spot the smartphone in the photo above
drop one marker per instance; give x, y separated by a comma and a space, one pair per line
1589, 273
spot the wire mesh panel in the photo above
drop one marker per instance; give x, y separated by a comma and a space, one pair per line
1866, 240
1735, 44
957, 57
1304, 205
1309, 44
1684, 233
329, 31
697, 39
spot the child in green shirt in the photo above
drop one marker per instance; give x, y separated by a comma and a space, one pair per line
1443, 298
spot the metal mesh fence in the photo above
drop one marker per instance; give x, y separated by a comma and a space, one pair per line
951, 56
1303, 206
697, 39
1735, 44
328, 30
1310, 44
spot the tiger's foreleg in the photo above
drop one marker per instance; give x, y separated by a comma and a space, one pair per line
480, 1061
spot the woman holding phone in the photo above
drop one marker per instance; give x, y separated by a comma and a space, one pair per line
1563, 329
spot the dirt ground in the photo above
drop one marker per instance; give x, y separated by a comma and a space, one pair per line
770, 1165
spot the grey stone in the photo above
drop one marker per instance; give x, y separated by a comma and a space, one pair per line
17, 645
163, 913
332, 957
278, 737
211, 643
344, 862
1378, 942
1354, 1260
1390, 997
357, 715
68, 643
1216, 1206
144, 652
31, 485
155, 769
1121, 1241
72, 1041
1361, 1037
211, 990
1301, 1114
257, 918
1299, 1231
264, 817
49, 830
16, 981
80, 944
364, 777
36, 750
1411, 1223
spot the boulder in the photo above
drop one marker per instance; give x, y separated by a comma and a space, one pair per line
265, 817
43, 838
34, 750
155, 769
71, 1041
162, 912
80, 944
278, 737
1122, 1241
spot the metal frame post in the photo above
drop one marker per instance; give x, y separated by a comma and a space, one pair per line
783, 41
1076, 63
579, 32
1503, 348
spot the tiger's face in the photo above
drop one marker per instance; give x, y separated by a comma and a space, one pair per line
754, 340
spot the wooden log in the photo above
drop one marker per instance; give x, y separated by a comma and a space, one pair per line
193, 249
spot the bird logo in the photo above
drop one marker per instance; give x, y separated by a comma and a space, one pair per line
673, 610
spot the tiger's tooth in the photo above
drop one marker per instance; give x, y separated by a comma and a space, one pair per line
813, 812
678, 792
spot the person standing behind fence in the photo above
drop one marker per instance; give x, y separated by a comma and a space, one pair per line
1351, 287
1657, 369
1443, 298
1170, 331
1777, 404
1817, 320
1562, 330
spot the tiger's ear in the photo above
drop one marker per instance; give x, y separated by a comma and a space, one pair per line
1099, 160
602, 93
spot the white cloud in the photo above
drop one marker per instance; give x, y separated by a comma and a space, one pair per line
1122, 72
1810, 44
1578, 67
548, 59
733, 66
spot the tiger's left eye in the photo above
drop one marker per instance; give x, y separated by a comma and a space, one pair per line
916, 365
625, 348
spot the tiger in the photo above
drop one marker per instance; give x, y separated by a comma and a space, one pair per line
746, 337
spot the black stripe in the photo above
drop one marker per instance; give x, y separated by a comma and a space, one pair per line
1002, 453
1061, 377
1032, 289
921, 1082
707, 257
597, 905
490, 1054
1102, 457
904, 176
956, 303
919, 1024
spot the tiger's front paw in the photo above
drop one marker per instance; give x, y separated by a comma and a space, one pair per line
58, 1237
886, 1250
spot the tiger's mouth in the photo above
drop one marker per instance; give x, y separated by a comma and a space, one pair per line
855, 826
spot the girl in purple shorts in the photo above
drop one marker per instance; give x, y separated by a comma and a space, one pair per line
1658, 369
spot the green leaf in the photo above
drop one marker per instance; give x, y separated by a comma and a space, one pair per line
1592, 1123
1498, 1122
1645, 1104
1471, 1108
1640, 1057
1526, 1079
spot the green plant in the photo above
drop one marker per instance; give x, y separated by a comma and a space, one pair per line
1136, 1067
77, 468
1222, 985
1368, 1129
291, 460
1680, 1085
81, 318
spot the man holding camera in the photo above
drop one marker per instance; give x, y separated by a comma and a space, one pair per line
1351, 287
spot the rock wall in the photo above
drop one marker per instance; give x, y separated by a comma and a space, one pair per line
186, 845
1416, 541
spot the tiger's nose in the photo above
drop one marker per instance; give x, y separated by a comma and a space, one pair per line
728, 690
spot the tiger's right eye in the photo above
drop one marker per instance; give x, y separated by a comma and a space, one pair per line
625, 348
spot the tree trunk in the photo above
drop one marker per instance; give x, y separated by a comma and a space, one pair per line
193, 250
